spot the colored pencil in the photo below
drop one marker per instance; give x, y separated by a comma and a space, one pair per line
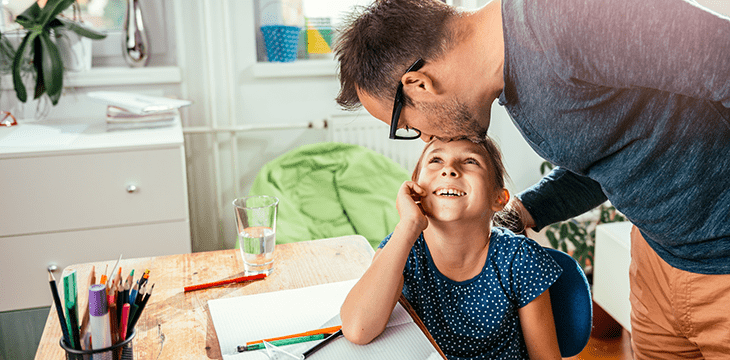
321, 344
282, 342
223, 282
327, 330
59, 307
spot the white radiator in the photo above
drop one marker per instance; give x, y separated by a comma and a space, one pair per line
365, 130
228, 158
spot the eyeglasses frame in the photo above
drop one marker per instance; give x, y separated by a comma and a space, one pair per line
398, 105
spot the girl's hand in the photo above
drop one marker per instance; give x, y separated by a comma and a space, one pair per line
408, 203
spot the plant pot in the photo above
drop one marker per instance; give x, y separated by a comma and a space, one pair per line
31, 110
75, 50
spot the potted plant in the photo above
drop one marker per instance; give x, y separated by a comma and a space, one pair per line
577, 236
38, 49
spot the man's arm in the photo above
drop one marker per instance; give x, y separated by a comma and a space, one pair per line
559, 196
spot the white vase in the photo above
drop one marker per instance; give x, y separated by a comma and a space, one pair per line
32, 109
75, 50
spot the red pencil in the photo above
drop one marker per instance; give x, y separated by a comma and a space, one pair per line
223, 282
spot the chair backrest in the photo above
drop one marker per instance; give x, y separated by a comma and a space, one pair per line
572, 306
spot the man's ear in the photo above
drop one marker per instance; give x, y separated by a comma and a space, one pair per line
418, 85
501, 200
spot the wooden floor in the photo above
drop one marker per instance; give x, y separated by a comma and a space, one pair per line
616, 348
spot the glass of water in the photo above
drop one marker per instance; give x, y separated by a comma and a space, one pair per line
256, 224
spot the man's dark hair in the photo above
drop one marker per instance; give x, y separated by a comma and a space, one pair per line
380, 41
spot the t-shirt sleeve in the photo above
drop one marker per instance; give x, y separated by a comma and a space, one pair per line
533, 271
559, 196
385, 241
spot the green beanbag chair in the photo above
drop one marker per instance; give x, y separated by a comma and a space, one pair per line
332, 189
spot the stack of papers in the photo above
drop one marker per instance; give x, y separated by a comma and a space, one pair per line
129, 109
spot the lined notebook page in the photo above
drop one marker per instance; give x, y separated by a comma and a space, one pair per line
254, 317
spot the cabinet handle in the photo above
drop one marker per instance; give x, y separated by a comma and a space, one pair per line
52, 267
132, 189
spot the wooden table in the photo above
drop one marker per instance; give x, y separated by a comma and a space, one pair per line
177, 325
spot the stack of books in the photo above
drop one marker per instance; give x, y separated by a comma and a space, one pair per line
129, 110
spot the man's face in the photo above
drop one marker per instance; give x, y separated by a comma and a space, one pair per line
445, 119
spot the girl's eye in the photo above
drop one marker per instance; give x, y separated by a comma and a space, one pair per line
471, 161
434, 159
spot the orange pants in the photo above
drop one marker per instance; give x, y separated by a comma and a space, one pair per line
676, 314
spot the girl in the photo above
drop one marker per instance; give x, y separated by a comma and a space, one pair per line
481, 291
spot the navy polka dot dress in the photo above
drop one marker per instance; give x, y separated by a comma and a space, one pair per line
477, 318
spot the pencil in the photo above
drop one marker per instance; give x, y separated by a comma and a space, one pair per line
138, 313
143, 279
282, 342
103, 276
321, 344
327, 330
223, 282
85, 310
123, 322
59, 307
130, 278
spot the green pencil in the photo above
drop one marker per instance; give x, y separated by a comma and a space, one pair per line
282, 342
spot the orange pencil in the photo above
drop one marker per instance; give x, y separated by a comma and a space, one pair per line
223, 282
327, 330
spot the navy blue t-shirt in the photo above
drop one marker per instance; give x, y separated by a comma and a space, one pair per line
477, 318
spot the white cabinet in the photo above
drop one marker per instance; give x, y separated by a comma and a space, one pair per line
611, 271
75, 193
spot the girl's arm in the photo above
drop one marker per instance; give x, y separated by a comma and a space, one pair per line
538, 328
368, 306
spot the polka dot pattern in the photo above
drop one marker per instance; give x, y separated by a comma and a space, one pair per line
477, 318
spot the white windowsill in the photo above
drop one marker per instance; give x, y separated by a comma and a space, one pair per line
299, 68
114, 76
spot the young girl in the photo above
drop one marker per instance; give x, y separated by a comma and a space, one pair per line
481, 291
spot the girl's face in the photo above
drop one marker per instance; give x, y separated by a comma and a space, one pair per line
459, 181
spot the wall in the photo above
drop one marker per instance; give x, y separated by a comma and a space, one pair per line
218, 57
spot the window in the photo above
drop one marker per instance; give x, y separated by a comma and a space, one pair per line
316, 19
107, 15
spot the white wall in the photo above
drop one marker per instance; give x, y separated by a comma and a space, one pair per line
218, 57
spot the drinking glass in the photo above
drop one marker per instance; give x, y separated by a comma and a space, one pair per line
256, 224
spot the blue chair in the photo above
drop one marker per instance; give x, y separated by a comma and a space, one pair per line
572, 306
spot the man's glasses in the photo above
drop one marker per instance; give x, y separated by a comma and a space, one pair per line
404, 133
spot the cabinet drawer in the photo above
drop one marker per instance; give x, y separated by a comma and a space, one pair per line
86, 191
24, 259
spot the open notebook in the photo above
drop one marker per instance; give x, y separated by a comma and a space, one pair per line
255, 317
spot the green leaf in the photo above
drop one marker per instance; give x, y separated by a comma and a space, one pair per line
545, 167
17, 62
83, 30
29, 18
552, 239
53, 8
40, 86
7, 53
563, 230
52, 68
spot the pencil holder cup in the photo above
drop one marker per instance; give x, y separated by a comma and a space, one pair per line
281, 42
120, 351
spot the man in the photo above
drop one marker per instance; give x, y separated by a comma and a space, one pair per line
630, 98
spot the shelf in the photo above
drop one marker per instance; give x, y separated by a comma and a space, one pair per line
114, 76
299, 68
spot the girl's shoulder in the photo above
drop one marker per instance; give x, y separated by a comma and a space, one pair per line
506, 243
